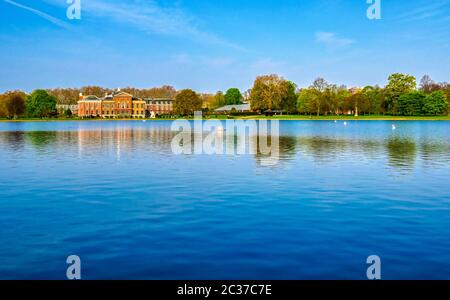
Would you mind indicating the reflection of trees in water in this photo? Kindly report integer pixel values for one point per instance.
(372, 149)
(41, 139)
(323, 149)
(402, 152)
(287, 150)
(15, 140)
(434, 152)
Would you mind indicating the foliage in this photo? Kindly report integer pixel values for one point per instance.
(233, 96)
(411, 104)
(269, 93)
(12, 104)
(398, 84)
(272, 92)
(187, 102)
(435, 103)
(40, 104)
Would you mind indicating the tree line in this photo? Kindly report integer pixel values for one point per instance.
(270, 93)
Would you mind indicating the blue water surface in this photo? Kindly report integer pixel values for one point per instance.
(114, 194)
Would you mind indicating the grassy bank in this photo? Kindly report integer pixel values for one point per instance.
(353, 118)
(281, 118)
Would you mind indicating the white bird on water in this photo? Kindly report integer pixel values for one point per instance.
(394, 127)
(345, 123)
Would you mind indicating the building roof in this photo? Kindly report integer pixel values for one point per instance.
(91, 98)
(239, 107)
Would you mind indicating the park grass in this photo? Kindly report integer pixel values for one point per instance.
(350, 118)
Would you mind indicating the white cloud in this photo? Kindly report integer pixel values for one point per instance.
(435, 11)
(332, 40)
(42, 14)
(150, 17)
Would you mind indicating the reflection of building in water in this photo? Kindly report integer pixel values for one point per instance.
(122, 139)
(396, 152)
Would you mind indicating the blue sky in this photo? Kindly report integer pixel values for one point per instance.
(216, 44)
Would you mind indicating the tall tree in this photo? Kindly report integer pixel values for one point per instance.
(272, 92)
(307, 101)
(187, 102)
(233, 96)
(40, 104)
(289, 96)
(376, 98)
(398, 84)
(320, 87)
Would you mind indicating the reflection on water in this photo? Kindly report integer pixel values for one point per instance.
(401, 152)
(116, 195)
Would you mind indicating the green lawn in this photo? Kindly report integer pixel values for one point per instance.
(362, 118)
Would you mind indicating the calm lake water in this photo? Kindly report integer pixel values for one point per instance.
(114, 194)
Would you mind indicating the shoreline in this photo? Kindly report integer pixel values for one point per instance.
(279, 118)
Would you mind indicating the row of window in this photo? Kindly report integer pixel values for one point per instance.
(107, 113)
(124, 105)
(159, 102)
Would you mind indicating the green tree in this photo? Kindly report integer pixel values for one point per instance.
(435, 103)
(376, 98)
(289, 96)
(446, 89)
(320, 86)
(398, 84)
(341, 100)
(411, 104)
(187, 102)
(40, 104)
(306, 101)
(272, 92)
(233, 96)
